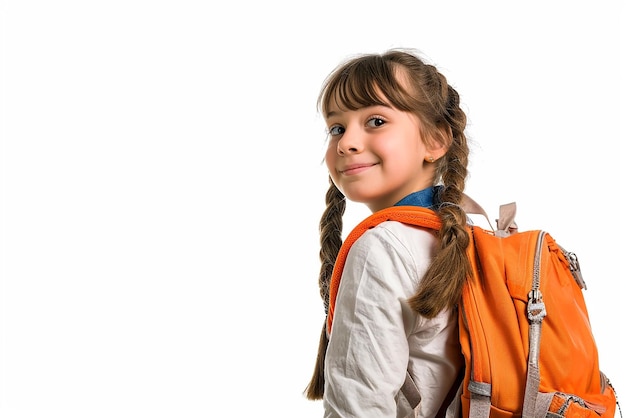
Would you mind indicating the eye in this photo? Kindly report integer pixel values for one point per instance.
(336, 130)
(375, 122)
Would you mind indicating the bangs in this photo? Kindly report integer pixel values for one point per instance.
(369, 81)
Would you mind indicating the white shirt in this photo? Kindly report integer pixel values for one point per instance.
(376, 336)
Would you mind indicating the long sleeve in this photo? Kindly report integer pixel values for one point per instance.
(376, 337)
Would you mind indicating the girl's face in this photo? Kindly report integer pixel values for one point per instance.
(376, 155)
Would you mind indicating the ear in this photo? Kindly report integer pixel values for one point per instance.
(437, 145)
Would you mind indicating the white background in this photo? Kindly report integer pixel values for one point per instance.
(162, 183)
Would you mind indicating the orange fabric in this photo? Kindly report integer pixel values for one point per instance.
(495, 332)
(493, 323)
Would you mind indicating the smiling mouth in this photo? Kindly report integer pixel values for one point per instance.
(356, 169)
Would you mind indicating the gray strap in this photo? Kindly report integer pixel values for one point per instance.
(451, 403)
(532, 376)
(409, 389)
(470, 206)
(505, 224)
(479, 406)
(530, 394)
(543, 404)
(480, 399)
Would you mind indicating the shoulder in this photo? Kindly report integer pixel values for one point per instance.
(396, 242)
(397, 235)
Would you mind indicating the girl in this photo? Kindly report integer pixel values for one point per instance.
(396, 137)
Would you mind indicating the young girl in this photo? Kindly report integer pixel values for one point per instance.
(396, 137)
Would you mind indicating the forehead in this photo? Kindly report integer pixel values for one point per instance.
(362, 87)
(336, 106)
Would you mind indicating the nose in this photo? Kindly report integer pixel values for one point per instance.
(349, 143)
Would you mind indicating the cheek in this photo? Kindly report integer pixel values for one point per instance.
(331, 160)
(395, 149)
(330, 157)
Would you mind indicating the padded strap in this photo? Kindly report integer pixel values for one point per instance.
(409, 389)
(414, 216)
(480, 402)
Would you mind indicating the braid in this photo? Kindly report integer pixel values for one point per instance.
(331, 226)
(443, 282)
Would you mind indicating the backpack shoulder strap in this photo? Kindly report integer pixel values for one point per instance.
(412, 215)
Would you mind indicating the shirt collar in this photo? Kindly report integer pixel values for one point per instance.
(425, 198)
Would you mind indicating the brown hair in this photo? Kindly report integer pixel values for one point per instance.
(402, 79)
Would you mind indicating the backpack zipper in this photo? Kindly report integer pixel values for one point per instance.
(536, 309)
(535, 293)
(568, 400)
(574, 267)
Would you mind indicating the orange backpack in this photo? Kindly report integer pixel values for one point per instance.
(523, 323)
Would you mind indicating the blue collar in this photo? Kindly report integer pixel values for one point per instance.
(425, 198)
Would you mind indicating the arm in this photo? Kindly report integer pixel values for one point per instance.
(368, 353)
